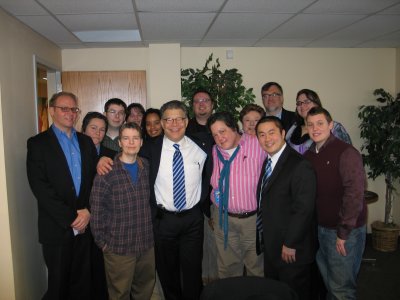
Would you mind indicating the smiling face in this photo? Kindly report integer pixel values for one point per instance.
(135, 116)
(174, 122)
(115, 115)
(270, 137)
(319, 129)
(225, 137)
(250, 121)
(272, 100)
(130, 142)
(202, 105)
(303, 105)
(96, 129)
(153, 125)
(64, 121)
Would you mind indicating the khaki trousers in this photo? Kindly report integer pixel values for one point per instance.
(241, 248)
(130, 276)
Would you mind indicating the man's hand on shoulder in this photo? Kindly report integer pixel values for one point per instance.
(104, 165)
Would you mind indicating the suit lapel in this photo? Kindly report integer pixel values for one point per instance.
(277, 169)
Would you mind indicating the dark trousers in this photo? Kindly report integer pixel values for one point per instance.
(68, 268)
(99, 282)
(179, 253)
(297, 276)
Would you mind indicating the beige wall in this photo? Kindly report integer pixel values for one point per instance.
(25, 276)
(344, 78)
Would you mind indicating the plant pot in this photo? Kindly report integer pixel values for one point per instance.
(384, 237)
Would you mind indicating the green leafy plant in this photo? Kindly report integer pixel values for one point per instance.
(380, 129)
(226, 87)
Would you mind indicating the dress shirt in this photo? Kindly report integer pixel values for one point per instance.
(275, 157)
(193, 160)
(72, 152)
(244, 175)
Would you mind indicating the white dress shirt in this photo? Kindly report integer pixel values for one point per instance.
(193, 160)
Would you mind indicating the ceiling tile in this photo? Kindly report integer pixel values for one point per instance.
(369, 28)
(308, 26)
(228, 43)
(87, 6)
(262, 6)
(179, 5)
(23, 7)
(244, 25)
(349, 7)
(395, 9)
(98, 22)
(170, 26)
(49, 28)
(332, 43)
(282, 43)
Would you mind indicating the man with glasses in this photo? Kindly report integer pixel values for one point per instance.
(272, 97)
(60, 167)
(203, 105)
(115, 111)
(179, 179)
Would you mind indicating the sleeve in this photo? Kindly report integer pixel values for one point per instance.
(303, 190)
(49, 200)
(353, 180)
(99, 201)
(340, 132)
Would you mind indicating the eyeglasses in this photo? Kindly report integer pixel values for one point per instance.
(114, 112)
(301, 103)
(178, 120)
(66, 109)
(203, 100)
(266, 96)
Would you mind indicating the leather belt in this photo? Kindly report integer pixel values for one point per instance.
(242, 215)
(162, 210)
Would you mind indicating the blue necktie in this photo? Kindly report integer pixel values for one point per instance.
(178, 174)
(259, 240)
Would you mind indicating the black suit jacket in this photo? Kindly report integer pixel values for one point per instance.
(288, 208)
(287, 118)
(51, 183)
(152, 151)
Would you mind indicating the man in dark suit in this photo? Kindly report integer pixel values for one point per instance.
(287, 191)
(272, 97)
(178, 231)
(60, 167)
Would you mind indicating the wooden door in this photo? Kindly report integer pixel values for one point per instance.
(94, 88)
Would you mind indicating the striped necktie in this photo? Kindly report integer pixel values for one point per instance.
(259, 240)
(178, 174)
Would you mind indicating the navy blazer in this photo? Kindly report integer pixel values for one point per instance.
(288, 118)
(51, 183)
(152, 151)
(288, 208)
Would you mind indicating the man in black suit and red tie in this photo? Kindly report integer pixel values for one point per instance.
(285, 221)
(61, 164)
(272, 97)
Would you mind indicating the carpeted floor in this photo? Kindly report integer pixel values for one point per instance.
(379, 281)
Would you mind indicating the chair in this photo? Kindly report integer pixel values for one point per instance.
(248, 288)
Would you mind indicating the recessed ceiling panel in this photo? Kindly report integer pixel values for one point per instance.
(22, 7)
(87, 6)
(244, 25)
(179, 5)
(49, 28)
(98, 22)
(349, 6)
(170, 26)
(270, 6)
(310, 26)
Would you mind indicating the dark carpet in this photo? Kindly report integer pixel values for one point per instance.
(379, 280)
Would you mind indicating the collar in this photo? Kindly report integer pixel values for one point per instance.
(275, 157)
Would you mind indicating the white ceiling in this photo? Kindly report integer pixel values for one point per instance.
(226, 23)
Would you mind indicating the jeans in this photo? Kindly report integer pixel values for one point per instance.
(340, 272)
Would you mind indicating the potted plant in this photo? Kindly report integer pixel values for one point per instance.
(380, 129)
(226, 87)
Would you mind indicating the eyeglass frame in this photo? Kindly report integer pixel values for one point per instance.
(114, 112)
(65, 109)
(305, 102)
(178, 120)
(266, 96)
(202, 100)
